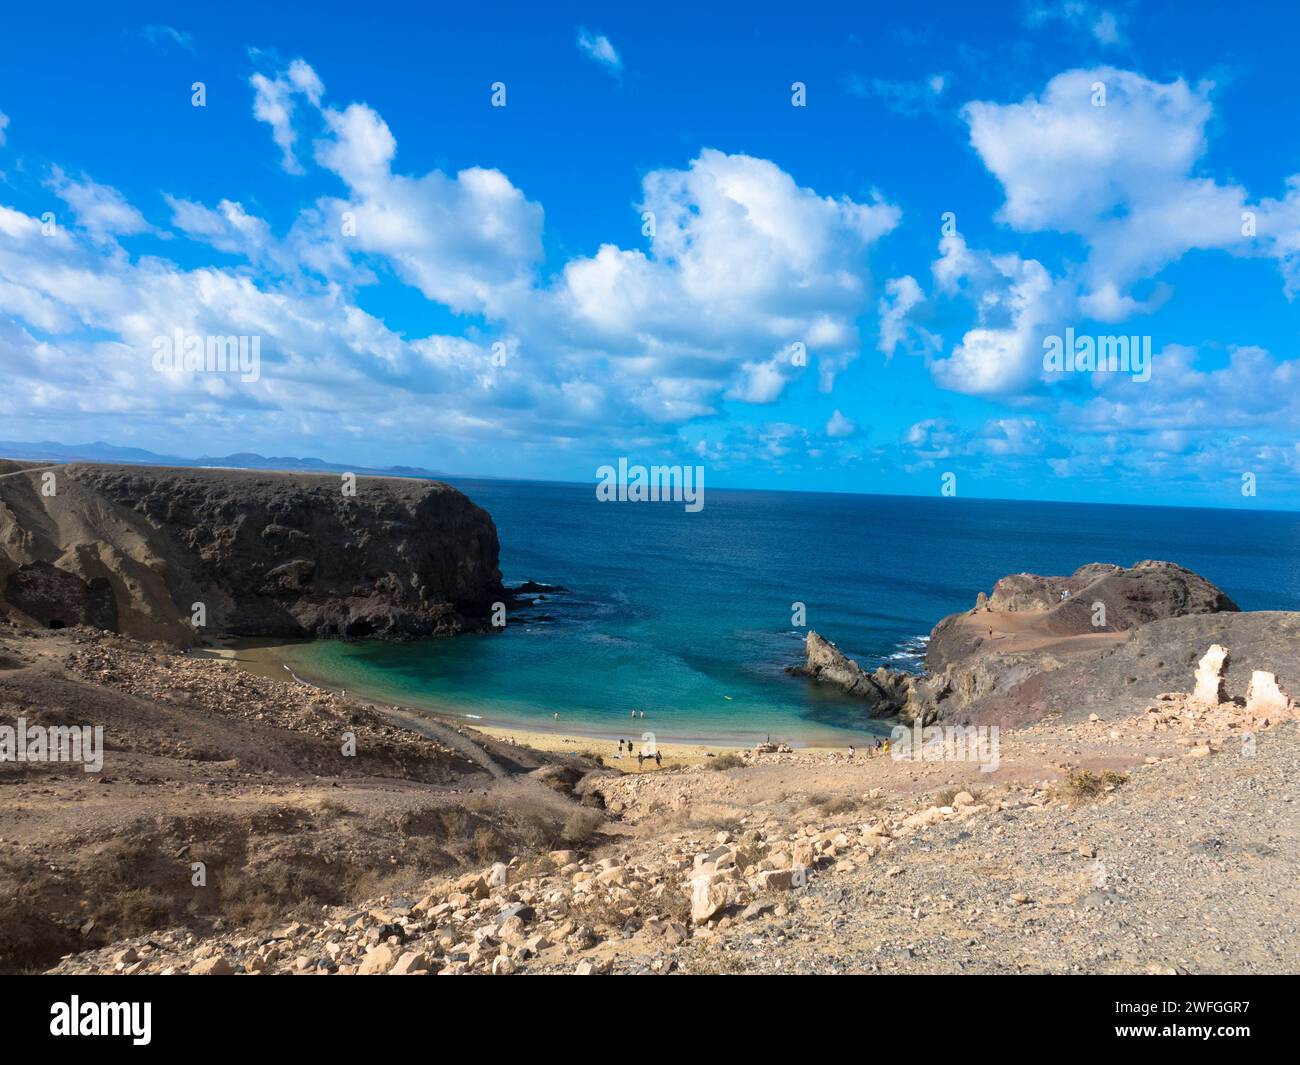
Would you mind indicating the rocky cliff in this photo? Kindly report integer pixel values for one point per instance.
(1096, 598)
(180, 554)
(988, 663)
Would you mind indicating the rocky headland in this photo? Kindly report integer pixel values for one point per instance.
(185, 555)
(1105, 639)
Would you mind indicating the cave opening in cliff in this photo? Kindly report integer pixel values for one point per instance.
(55, 623)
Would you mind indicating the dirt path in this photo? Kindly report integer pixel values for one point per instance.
(1010, 630)
(433, 729)
(423, 724)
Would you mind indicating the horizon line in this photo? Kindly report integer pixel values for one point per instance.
(449, 476)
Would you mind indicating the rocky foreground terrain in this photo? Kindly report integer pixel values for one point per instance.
(185, 555)
(284, 797)
(1158, 841)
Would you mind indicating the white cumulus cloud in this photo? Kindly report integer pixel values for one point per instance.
(599, 48)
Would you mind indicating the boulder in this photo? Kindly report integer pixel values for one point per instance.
(884, 691)
(1210, 686)
(1266, 699)
(708, 898)
(410, 963)
(378, 960)
(519, 910)
(777, 879)
(217, 966)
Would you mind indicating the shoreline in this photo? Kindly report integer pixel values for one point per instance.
(267, 659)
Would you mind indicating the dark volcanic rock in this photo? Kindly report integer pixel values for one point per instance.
(885, 691)
(1025, 645)
(57, 598)
(266, 554)
(1159, 657)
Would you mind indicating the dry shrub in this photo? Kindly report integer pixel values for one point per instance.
(581, 826)
(30, 937)
(641, 904)
(1084, 784)
(838, 804)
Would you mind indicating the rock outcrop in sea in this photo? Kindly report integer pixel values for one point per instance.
(885, 691)
(180, 554)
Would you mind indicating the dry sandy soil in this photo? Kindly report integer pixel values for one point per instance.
(206, 763)
(1009, 631)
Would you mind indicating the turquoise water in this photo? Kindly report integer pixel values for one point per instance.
(688, 616)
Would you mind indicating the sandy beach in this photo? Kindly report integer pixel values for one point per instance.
(269, 660)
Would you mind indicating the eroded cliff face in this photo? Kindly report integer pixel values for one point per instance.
(265, 554)
(989, 663)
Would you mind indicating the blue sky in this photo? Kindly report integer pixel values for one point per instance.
(438, 281)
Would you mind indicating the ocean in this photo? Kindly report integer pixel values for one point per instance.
(690, 616)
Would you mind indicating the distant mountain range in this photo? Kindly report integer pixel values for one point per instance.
(48, 451)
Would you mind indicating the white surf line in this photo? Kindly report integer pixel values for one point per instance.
(301, 681)
(341, 692)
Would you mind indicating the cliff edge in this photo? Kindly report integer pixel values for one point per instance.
(178, 555)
